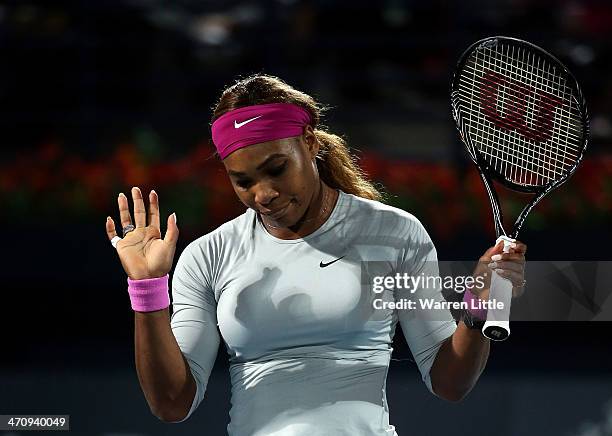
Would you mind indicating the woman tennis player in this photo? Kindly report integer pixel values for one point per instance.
(283, 284)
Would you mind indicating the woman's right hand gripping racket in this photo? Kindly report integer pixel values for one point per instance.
(523, 119)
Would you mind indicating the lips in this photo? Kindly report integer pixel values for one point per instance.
(275, 214)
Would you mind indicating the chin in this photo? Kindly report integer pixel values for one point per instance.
(286, 220)
(289, 219)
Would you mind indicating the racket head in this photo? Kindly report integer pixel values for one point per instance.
(520, 112)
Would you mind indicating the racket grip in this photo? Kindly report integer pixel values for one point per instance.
(497, 326)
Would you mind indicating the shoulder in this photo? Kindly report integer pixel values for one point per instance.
(229, 234)
(202, 259)
(377, 216)
(385, 232)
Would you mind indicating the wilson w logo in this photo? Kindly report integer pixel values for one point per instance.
(508, 103)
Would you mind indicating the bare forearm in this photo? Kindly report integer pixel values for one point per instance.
(163, 372)
(459, 363)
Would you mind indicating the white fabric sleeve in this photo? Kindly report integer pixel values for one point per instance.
(424, 329)
(194, 321)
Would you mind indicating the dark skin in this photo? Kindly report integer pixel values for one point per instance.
(462, 357)
(282, 176)
(273, 176)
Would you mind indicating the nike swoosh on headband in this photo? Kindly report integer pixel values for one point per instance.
(238, 125)
(323, 265)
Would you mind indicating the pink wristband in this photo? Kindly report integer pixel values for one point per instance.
(473, 301)
(149, 295)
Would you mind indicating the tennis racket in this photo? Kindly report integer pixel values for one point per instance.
(523, 119)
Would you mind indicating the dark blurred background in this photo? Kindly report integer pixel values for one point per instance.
(100, 96)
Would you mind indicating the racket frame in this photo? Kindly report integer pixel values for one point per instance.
(488, 174)
(497, 325)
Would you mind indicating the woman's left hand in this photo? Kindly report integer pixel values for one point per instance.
(509, 265)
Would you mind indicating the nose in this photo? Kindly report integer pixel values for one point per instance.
(264, 194)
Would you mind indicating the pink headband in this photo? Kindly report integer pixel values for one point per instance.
(259, 123)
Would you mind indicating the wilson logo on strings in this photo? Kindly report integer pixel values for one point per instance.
(518, 103)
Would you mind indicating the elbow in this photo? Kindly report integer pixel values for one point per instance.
(168, 415)
(451, 394)
(170, 410)
(174, 409)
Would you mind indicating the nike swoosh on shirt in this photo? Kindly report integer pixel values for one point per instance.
(323, 265)
(238, 125)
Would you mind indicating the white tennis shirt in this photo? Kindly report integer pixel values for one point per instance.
(308, 352)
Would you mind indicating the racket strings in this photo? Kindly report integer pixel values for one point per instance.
(504, 158)
(538, 161)
(506, 102)
(505, 99)
(549, 166)
(520, 114)
(537, 151)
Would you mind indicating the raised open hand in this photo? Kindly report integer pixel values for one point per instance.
(143, 254)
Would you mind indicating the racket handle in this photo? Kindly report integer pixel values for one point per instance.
(497, 326)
